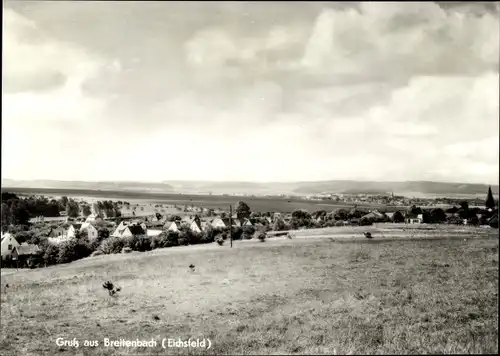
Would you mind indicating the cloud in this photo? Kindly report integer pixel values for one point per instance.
(296, 92)
(45, 113)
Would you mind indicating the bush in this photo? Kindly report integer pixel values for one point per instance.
(237, 233)
(50, 253)
(183, 241)
(250, 230)
(365, 222)
(126, 250)
(112, 245)
(72, 250)
(140, 243)
(219, 240)
(261, 236)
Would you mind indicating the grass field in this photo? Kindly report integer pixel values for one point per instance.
(282, 296)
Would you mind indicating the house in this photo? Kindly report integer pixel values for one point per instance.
(195, 225)
(152, 233)
(130, 230)
(8, 244)
(414, 219)
(57, 232)
(220, 222)
(72, 229)
(92, 218)
(91, 231)
(172, 226)
(246, 222)
(23, 252)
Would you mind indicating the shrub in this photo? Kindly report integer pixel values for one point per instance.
(365, 222)
(112, 245)
(247, 236)
(279, 225)
(138, 243)
(237, 233)
(261, 236)
(250, 230)
(126, 250)
(50, 253)
(219, 240)
(72, 250)
(183, 241)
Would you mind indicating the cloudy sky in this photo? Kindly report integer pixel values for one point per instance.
(282, 91)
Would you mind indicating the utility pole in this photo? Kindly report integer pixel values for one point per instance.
(231, 224)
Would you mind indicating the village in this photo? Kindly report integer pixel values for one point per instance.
(119, 221)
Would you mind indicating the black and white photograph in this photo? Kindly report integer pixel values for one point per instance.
(249, 178)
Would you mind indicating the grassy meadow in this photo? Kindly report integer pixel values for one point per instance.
(293, 296)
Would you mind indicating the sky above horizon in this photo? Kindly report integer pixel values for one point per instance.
(263, 91)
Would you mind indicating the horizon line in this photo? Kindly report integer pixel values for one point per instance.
(252, 182)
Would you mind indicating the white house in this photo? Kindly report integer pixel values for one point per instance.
(172, 226)
(8, 244)
(418, 220)
(92, 232)
(247, 222)
(220, 223)
(195, 225)
(130, 230)
(152, 233)
(92, 218)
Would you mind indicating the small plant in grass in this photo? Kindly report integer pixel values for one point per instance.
(219, 240)
(112, 289)
(261, 236)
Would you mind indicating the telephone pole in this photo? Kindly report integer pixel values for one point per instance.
(231, 224)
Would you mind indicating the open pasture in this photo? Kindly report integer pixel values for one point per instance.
(390, 231)
(282, 296)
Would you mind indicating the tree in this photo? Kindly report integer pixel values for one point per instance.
(300, 214)
(398, 217)
(243, 210)
(490, 202)
(72, 208)
(279, 225)
(319, 213)
(341, 214)
(20, 213)
(415, 210)
(438, 215)
(86, 211)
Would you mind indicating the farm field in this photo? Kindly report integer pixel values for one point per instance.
(391, 231)
(259, 204)
(295, 296)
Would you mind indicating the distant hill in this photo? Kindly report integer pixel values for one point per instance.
(402, 188)
(412, 188)
(56, 184)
